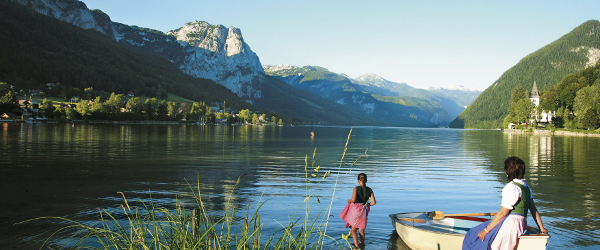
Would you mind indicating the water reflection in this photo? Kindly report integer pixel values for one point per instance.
(65, 170)
(563, 172)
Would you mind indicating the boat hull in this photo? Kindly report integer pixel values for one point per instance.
(449, 233)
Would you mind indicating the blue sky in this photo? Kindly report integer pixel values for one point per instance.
(421, 43)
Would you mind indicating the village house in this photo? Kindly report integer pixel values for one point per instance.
(33, 104)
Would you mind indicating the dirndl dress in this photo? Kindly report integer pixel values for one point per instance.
(356, 215)
(472, 240)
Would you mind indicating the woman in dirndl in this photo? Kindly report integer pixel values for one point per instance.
(503, 231)
(356, 213)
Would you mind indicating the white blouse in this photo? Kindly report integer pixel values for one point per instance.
(512, 192)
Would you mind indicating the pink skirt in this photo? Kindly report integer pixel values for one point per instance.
(508, 235)
(356, 215)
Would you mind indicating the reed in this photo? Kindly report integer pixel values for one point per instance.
(146, 226)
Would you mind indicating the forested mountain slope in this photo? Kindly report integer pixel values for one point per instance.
(572, 52)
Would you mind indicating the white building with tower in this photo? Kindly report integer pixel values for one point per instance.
(545, 116)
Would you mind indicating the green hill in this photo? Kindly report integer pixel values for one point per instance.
(547, 67)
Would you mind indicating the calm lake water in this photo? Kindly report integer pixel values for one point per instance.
(72, 170)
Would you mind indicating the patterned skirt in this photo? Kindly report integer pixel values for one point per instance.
(356, 215)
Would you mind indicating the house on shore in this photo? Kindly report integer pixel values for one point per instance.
(545, 116)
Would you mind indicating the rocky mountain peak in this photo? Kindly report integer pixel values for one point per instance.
(215, 38)
(371, 78)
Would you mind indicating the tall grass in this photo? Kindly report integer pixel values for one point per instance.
(146, 226)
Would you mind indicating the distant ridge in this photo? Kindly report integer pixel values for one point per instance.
(574, 51)
(396, 103)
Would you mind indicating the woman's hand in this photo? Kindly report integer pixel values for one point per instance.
(482, 234)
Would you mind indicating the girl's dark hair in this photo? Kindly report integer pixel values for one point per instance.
(514, 168)
(362, 177)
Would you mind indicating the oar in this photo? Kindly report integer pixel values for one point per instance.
(412, 220)
(438, 215)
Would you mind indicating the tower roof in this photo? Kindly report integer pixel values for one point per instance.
(534, 92)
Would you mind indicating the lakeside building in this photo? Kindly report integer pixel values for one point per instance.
(545, 116)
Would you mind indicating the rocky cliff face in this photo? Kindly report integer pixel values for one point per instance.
(220, 54)
(198, 48)
(72, 11)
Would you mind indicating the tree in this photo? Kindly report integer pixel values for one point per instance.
(83, 109)
(4, 88)
(587, 97)
(171, 109)
(273, 119)
(196, 112)
(115, 103)
(254, 118)
(280, 122)
(88, 93)
(245, 115)
(135, 105)
(518, 94)
(47, 108)
(523, 109)
(221, 116)
(70, 113)
(150, 107)
(98, 107)
(520, 107)
(59, 112)
(162, 110)
(209, 116)
(549, 100)
(589, 119)
(8, 102)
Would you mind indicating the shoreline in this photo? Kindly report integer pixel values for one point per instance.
(549, 132)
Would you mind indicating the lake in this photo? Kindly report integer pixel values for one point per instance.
(71, 170)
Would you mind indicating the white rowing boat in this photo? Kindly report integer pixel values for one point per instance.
(420, 232)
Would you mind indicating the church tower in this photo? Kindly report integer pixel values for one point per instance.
(535, 95)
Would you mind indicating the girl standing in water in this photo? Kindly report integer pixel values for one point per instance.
(356, 213)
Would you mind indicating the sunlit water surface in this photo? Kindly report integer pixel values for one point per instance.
(72, 170)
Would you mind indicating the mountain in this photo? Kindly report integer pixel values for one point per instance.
(210, 52)
(574, 51)
(397, 103)
(447, 97)
(36, 49)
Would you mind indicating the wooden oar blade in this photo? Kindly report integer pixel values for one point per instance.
(439, 215)
(412, 220)
(436, 215)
